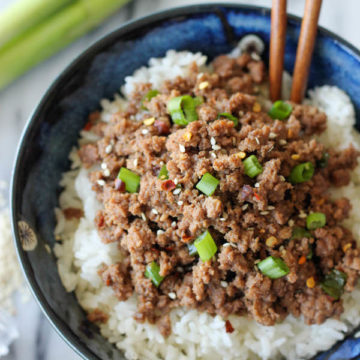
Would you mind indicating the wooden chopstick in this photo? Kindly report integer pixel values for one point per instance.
(277, 47)
(305, 49)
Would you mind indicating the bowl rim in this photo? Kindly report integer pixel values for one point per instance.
(60, 327)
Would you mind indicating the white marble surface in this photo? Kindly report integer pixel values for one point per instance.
(37, 339)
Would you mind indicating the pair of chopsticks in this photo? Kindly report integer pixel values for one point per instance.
(304, 50)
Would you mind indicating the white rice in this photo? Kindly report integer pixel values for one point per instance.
(194, 335)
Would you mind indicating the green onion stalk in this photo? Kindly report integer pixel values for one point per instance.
(51, 35)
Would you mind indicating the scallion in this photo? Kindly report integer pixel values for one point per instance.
(208, 184)
(323, 162)
(152, 272)
(182, 110)
(229, 116)
(300, 233)
(148, 96)
(280, 110)
(315, 220)
(192, 249)
(198, 100)
(334, 283)
(163, 174)
(205, 246)
(301, 173)
(273, 268)
(131, 180)
(252, 167)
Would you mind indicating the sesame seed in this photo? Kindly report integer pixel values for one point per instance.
(257, 261)
(257, 141)
(224, 284)
(216, 147)
(213, 155)
(282, 178)
(241, 113)
(264, 212)
(108, 149)
(302, 215)
(281, 248)
(101, 182)
(212, 141)
(143, 216)
(271, 149)
(106, 172)
(177, 191)
(154, 211)
(272, 135)
(172, 295)
(173, 224)
(160, 232)
(203, 85)
(255, 56)
(282, 142)
(103, 166)
(135, 162)
(182, 148)
(144, 131)
(244, 207)
(271, 207)
(149, 121)
(291, 222)
(179, 269)
(180, 203)
(257, 185)
(229, 244)
(176, 181)
(222, 219)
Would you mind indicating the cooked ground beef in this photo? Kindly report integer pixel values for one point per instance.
(249, 219)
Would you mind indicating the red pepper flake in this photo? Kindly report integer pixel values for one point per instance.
(168, 185)
(169, 248)
(100, 220)
(162, 127)
(257, 196)
(154, 249)
(186, 239)
(73, 213)
(94, 116)
(119, 185)
(228, 327)
(88, 126)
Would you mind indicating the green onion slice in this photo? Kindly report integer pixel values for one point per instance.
(273, 267)
(152, 273)
(163, 174)
(323, 162)
(301, 173)
(192, 249)
(131, 180)
(252, 167)
(315, 220)
(205, 246)
(182, 110)
(280, 110)
(208, 184)
(148, 96)
(310, 255)
(229, 116)
(198, 100)
(299, 233)
(334, 283)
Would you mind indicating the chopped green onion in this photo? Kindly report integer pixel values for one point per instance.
(334, 283)
(273, 267)
(163, 174)
(323, 162)
(280, 110)
(152, 273)
(149, 95)
(301, 173)
(182, 110)
(229, 116)
(131, 180)
(205, 246)
(252, 167)
(192, 249)
(207, 184)
(299, 233)
(315, 220)
(198, 100)
(310, 255)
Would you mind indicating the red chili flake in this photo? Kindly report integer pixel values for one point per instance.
(186, 239)
(169, 248)
(88, 126)
(257, 196)
(168, 185)
(73, 213)
(100, 220)
(119, 185)
(94, 116)
(155, 249)
(162, 127)
(228, 327)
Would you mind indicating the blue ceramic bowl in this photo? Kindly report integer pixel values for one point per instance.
(98, 73)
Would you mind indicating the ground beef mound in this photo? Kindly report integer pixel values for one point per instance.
(249, 219)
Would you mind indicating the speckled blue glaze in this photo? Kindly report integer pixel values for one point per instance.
(98, 73)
